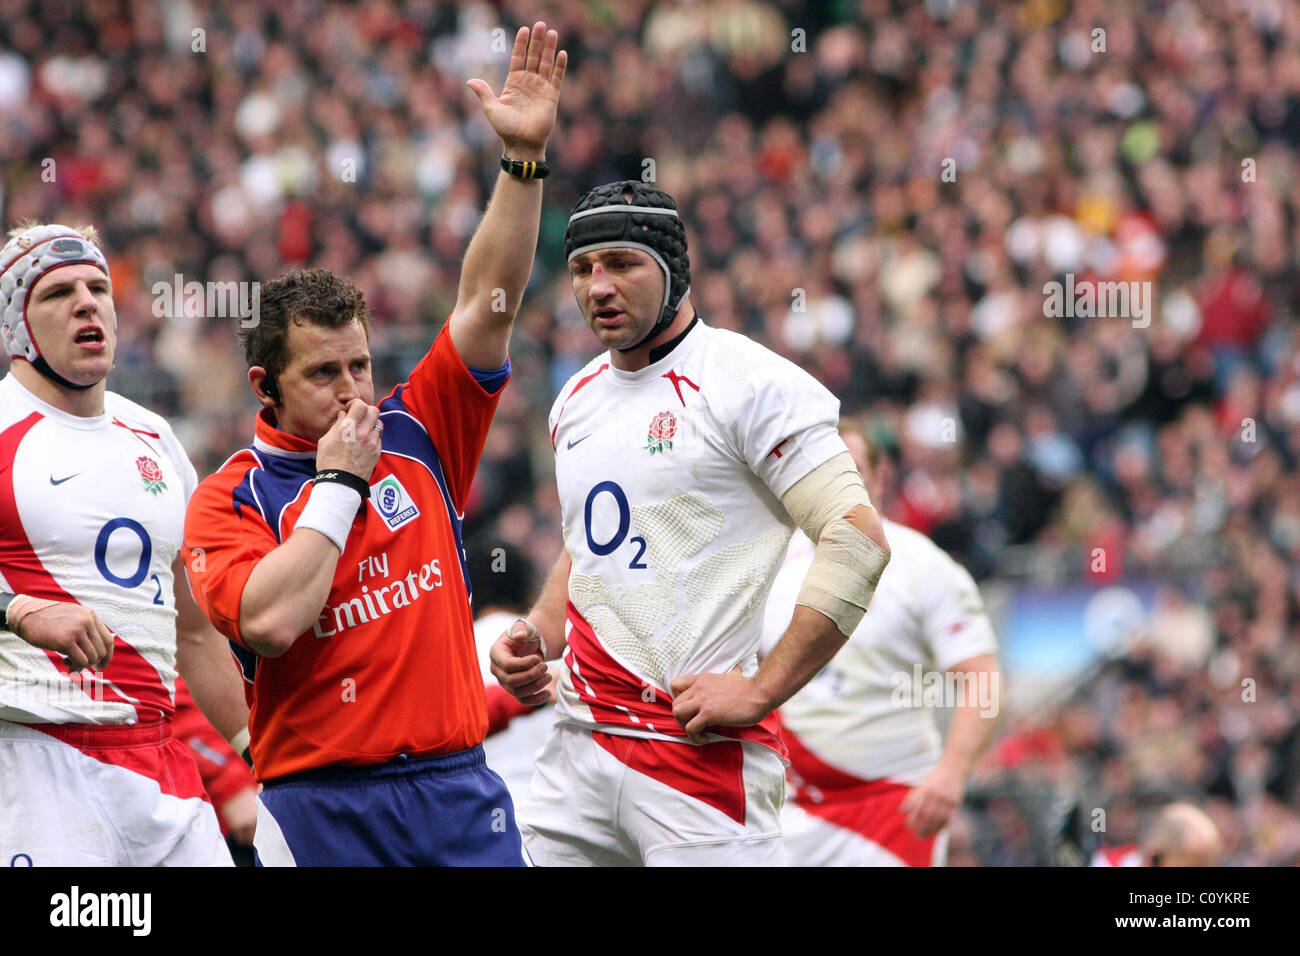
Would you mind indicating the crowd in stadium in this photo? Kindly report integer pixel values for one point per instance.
(878, 190)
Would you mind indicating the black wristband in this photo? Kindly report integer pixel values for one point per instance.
(355, 482)
(5, 598)
(525, 168)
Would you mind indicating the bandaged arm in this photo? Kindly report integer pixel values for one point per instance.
(831, 506)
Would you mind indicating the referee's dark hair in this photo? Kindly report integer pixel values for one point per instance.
(303, 296)
(501, 575)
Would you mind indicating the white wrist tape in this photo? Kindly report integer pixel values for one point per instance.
(330, 510)
(239, 742)
(14, 611)
(16, 603)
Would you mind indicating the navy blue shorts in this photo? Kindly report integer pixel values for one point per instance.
(447, 810)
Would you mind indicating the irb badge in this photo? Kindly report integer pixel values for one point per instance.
(393, 503)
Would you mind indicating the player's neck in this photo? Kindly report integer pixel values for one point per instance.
(84, 403)
(639, 357)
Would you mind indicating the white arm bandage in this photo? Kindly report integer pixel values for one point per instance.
(847, 564)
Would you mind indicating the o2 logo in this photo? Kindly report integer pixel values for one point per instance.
(602, 548)
(136, 578)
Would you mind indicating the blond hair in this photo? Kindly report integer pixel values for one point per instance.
(89, 233)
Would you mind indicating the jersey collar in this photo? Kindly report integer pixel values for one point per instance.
(659, 351)
(24, 394)
(269, 439)
(665, 356)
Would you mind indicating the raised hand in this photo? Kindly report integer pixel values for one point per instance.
(524, 114)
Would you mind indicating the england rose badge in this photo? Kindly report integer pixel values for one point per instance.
(662, 430)
(152, 475)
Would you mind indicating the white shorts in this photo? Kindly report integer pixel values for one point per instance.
(812, 841)
(602, 800)
(103, 796)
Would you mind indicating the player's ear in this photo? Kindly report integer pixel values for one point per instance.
(263, 386)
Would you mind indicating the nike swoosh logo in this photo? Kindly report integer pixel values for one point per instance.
(575, 441)
(60, 481)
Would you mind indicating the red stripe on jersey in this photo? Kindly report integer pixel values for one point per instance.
(618, 697)
(571, 394)
(148, 749)
(868, 807)
(138, 433)
(128, 675)
(677, 380)
(712, 773)
(815, 781)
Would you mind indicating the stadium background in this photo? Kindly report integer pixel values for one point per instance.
(1127, 497)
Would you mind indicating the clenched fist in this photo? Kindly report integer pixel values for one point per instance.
(518, 663)
(354, 441)
(73, 630)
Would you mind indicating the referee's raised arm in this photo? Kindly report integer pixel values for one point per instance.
(500, 255)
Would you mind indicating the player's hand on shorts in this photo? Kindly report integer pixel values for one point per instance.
(73, 630)
(701, 701)
(239, 814)
(518, 664)
(524, 114)
(353, 442)
(932, 802)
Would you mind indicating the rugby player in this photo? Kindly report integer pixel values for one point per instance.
(93, 490)
(1180, 834)
(871, 784)
(685, 455)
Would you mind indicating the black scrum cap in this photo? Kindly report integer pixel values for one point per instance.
(632, 214)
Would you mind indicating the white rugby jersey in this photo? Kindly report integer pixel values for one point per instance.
(670, 480)
(91, 510)
(865, 712)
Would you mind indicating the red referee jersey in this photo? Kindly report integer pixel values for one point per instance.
(390, 665)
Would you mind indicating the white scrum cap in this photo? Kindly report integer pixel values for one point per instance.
(23, 260)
